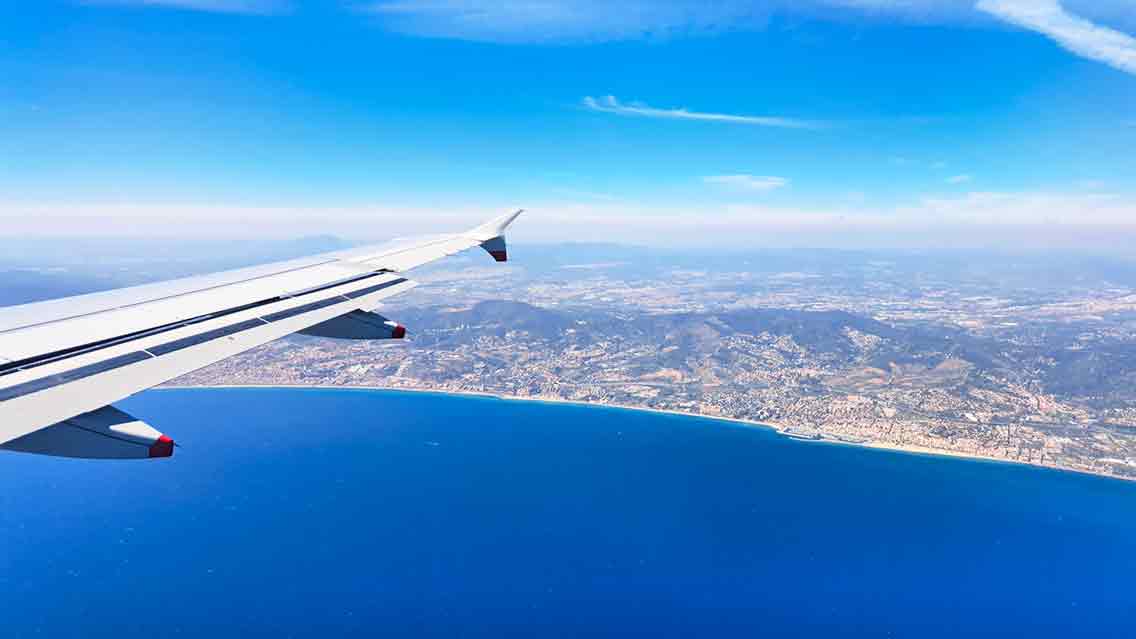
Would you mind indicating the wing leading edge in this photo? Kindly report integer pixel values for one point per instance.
(62, 362)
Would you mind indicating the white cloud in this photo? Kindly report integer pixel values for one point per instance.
(220, 220)
(550, 21)
(609, 104)
(564, 20)
(1016, 220)
(748, 182)
(1054, 211)
(1076, 34)
(547, 21)
(958, 179)
(1079, 219)
(611, 20)
(214, 6)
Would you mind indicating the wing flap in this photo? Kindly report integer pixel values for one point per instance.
(57, 325)
(62, 334)
(357, 325)
(51, 393)
(104, 433)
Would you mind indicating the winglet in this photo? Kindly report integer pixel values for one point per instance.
(495, 227)
(492, 235)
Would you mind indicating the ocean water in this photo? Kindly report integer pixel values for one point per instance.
(327, 513)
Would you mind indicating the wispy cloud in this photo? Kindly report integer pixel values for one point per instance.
(255, 7)
(541, 21)
(609, 104)
(958, 179)
(748, 182)
(565, 20)
(1075, 33)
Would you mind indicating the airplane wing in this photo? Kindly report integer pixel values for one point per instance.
(63, 362)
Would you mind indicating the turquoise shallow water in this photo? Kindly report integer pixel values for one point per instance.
(315, 513)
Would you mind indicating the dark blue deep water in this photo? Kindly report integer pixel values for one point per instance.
(316, 513)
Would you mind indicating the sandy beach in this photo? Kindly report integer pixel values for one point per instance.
(780, 429)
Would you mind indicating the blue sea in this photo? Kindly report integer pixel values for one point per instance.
(351, 513)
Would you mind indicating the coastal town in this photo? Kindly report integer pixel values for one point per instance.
(1041, 381)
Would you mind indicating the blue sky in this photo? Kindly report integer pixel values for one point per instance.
(816, 123)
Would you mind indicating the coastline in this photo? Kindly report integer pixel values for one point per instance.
(779, 429)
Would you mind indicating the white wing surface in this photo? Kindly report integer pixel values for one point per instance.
(63, 362)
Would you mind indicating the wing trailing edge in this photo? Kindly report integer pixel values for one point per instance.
(64, 362)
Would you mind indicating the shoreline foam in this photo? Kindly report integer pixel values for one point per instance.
(779, 429)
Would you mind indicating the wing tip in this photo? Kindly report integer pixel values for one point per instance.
(496, 226)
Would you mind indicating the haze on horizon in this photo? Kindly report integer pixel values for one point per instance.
(826, 123)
